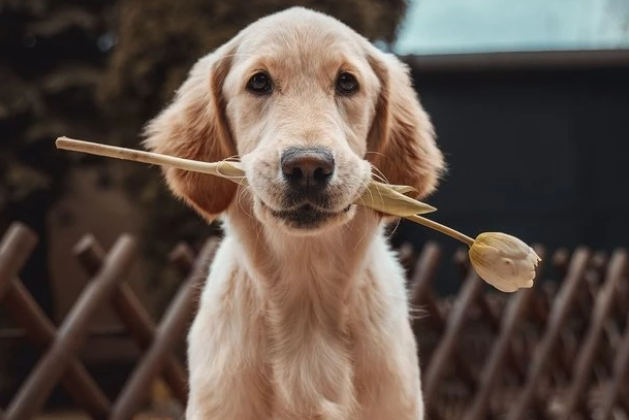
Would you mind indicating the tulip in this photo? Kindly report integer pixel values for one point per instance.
(504, 261)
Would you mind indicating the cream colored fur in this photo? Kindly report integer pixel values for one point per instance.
(294, 324)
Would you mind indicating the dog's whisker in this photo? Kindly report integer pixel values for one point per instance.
(366, 187)
(395, 228)
(241, 197)
(378, 173)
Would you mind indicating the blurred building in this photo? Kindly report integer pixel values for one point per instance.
(531, 107)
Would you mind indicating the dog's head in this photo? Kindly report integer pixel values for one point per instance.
(312, 108)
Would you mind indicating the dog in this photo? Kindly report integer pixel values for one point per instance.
(305, 313)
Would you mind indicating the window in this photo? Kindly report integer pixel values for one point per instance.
(474, 26)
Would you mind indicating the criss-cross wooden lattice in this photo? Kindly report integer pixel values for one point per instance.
(557, 351)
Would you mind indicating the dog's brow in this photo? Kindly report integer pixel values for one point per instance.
(233, 55)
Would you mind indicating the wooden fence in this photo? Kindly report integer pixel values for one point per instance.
(557, 351)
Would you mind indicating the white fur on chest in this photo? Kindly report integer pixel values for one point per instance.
(308, 329)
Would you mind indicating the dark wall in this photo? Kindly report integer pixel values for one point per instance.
(541, 154)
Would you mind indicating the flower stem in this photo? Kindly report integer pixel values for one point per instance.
(441, 228)
(222, 169)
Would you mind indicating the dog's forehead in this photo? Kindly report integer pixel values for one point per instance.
(300, 48)
(296, 34)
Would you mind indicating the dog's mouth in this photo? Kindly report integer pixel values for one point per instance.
(307, 216)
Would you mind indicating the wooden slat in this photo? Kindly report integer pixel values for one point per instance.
(16, 246)
(47, 373)
(41, 331)
(133, 314)
(422, 296)
(406, 256)
(423, 276)
(544, 350)
(620, 378)
(500, 351)
(169, 332)
(449, 341)
(583, 366)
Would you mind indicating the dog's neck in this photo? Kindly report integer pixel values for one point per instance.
(312, 274)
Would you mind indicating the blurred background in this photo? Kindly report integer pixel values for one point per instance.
(530, 101)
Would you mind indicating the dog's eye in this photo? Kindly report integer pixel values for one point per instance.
(260, 84)
(346, 84)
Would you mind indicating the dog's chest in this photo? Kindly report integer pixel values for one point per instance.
(325, 355)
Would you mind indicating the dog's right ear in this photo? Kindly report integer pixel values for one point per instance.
(194, 126)
(402, 134)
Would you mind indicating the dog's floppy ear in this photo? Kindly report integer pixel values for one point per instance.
(402, 141)
(194, 126)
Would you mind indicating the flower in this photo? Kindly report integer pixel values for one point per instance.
(504, 261)
(501, 260)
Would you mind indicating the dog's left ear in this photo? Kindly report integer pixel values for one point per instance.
(402, 139)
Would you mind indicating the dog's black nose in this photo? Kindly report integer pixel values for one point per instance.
(307, 170)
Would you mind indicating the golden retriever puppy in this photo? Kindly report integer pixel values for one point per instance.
(304, 314)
